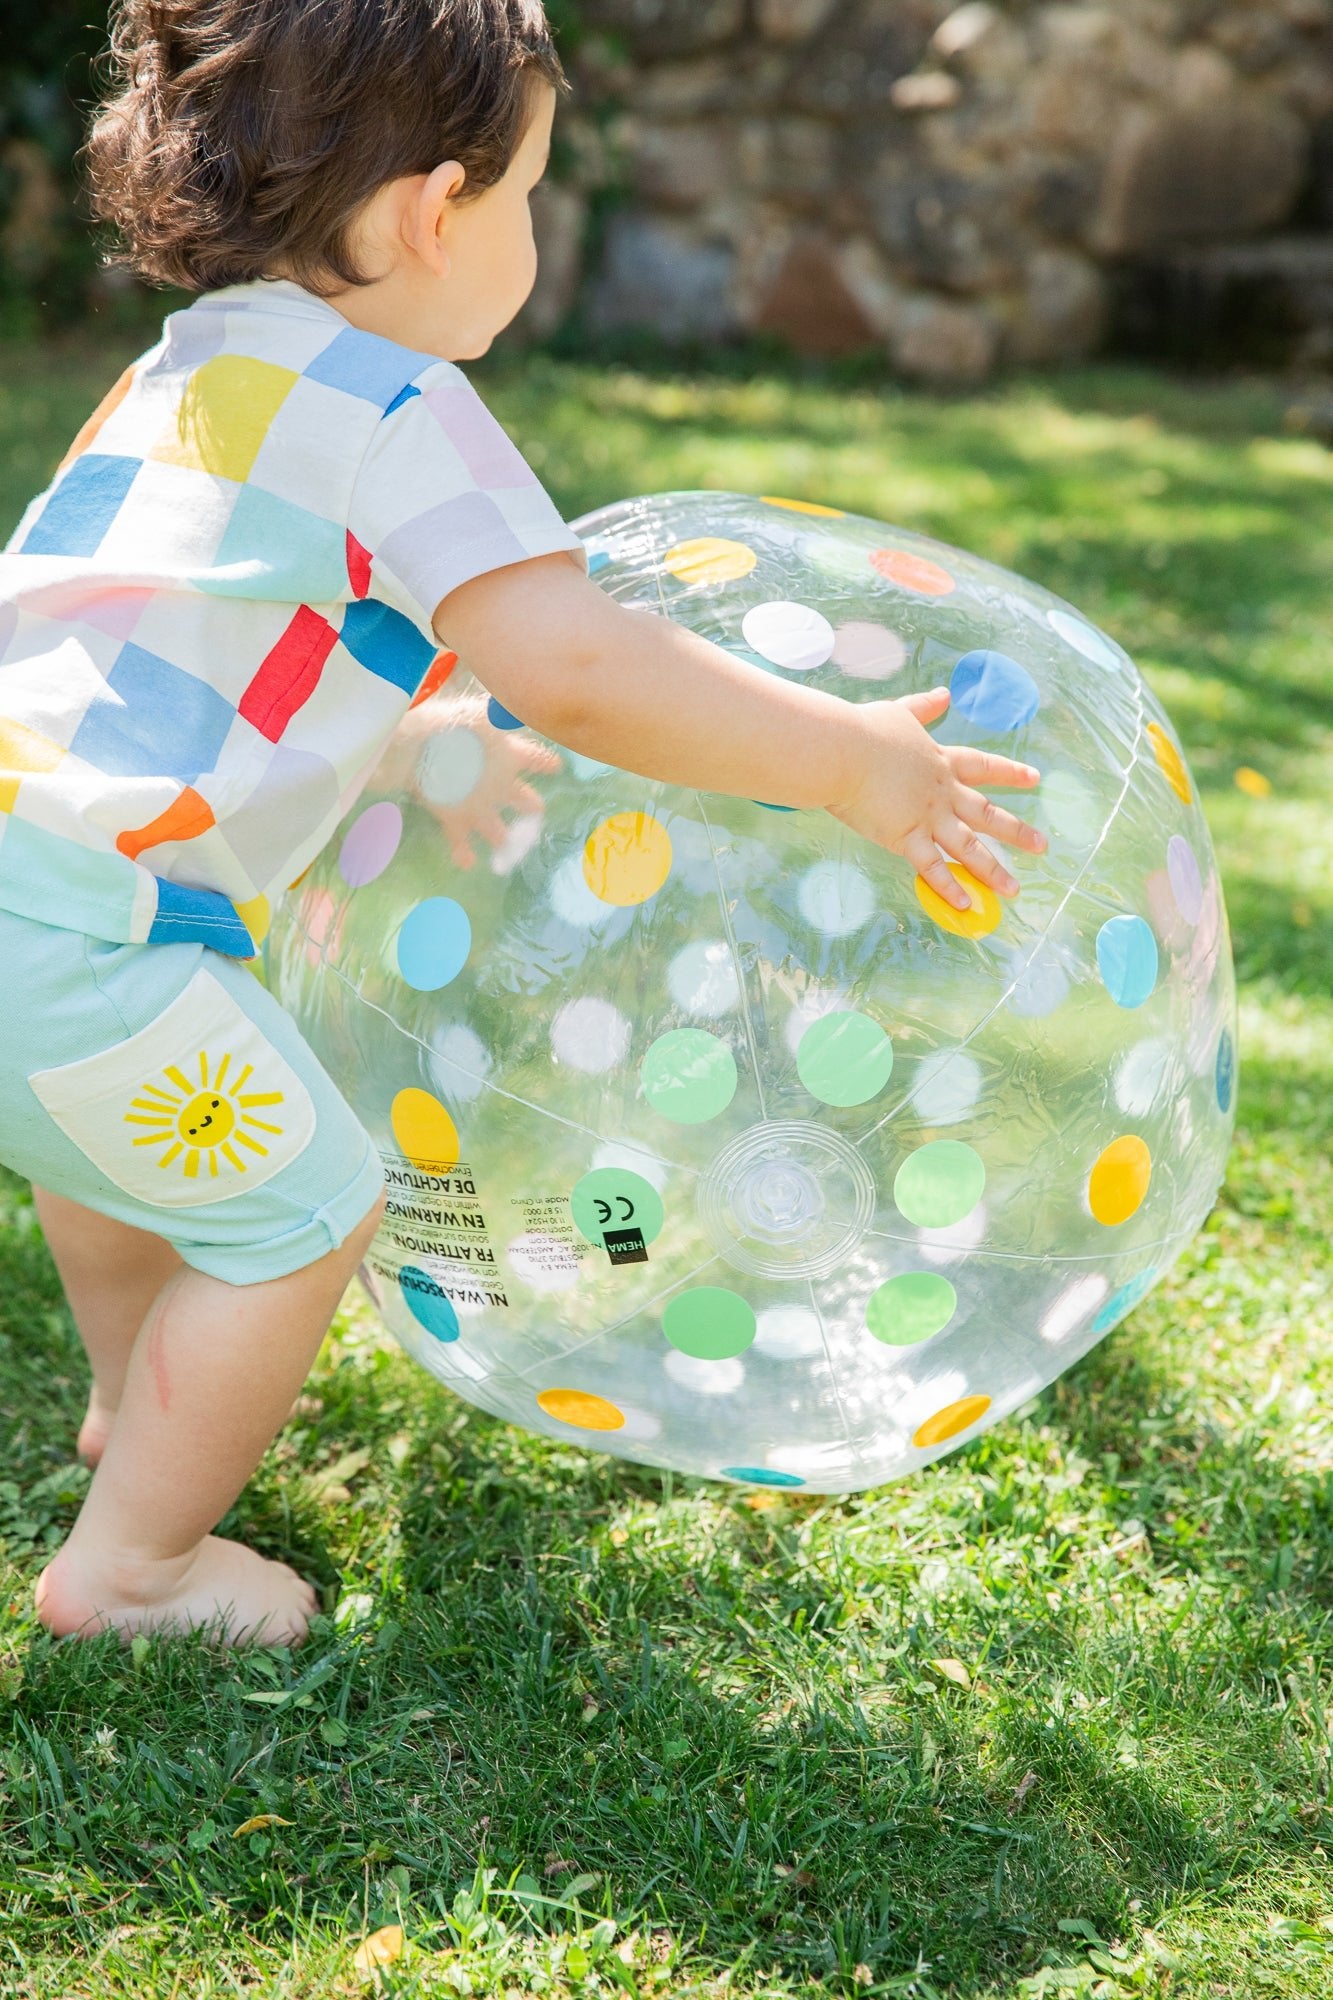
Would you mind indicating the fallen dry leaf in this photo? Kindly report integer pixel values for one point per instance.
(953, 1670)
(258, 1824)
(380, 1948)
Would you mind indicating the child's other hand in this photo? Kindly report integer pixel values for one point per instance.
(491, 771)
(917, 796)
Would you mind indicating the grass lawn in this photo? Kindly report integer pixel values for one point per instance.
(582, 1729)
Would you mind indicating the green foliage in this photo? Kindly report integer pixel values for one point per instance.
(1051, 1719)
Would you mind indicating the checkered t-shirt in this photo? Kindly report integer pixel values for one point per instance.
(214, 618)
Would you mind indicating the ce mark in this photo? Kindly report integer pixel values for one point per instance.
(605, 1211)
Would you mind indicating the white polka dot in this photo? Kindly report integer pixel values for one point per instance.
(1072, 1308)
(946, 1246)
(1140, 1075)
(572, 899)
(704, 1378)
(868, 652)
(590, 1035)
(461, 1062)
(449, 766)
(520, 839)
(788, 1333)
(1084, 638)
(632, 1159)
(639, 1427)
(947, 1085)
(806, 1012)
(835, 898)
(794, 636)
(1039, 983)
(702, 979)
(544, 1262)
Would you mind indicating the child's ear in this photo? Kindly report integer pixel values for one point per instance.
(426, 222)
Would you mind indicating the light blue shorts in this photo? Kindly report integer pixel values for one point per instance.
(161, 1085)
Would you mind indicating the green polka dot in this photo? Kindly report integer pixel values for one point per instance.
(845, 1058)
(939, 1184)
(841, 559)
(689, 1076)
(914, 1307)
(610, 1198)
(709, 1323)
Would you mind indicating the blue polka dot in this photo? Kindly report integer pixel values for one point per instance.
(1224, 1071)
(991, 691)
(428, 1303)
(499, 716)
(1127, 960)
(758, 1475)
(434, 943)
(1125, 1300)
(774, 809)
(598, 560)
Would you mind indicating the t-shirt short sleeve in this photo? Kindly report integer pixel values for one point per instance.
(443, 495)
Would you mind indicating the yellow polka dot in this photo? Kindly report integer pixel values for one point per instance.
(1253, 783)
(804, 507)
(1171, 761)
(257, 917)
(951, 1421)
(978, 922)
(710, 560)
(585, 1412)
(627, 858)
(425, 1132)
(1119, 1181)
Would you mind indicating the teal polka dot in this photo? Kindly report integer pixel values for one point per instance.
(709, 1323)
(1127, 960)
(689, 1076)
(1124, 1301)
(844, 1058)
(759, 1475)
(434, 943)
(428, 1303)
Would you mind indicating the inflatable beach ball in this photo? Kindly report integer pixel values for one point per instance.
(713, 1137)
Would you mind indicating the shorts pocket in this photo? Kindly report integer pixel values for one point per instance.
(197, 1107)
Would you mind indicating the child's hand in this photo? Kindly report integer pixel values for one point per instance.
(506, 759)
(916, 796)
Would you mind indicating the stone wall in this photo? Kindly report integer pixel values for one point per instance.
(956, 185)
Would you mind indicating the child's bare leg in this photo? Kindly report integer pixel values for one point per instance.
(111, 1274)
(213, 1374)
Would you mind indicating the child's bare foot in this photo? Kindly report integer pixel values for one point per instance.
(222, 1588)
(95, 1430)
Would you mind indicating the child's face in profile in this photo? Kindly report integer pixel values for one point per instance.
(492, 255)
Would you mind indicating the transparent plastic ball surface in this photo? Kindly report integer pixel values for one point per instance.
(713, 1138)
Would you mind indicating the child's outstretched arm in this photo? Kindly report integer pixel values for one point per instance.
(645, 694)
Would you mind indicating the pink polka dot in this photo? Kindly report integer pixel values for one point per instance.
(370, 844)
(1182, 867)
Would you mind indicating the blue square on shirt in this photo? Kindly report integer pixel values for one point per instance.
(361, 364)
(151, 720)
(82, 507)
(387, 644)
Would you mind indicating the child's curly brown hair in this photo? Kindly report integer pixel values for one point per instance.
(246, 134)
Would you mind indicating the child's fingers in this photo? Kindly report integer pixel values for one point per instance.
(524, 800)
(983, 767)
(984, 816)
(931, 866)
(926, 707)
(959, 841)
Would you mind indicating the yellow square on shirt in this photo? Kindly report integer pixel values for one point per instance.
(225, 414)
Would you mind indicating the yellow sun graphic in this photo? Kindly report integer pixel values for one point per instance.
(203, 1123)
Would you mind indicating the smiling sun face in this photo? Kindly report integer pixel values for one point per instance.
(205, 1124)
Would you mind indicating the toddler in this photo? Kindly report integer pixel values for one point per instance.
(211, 625)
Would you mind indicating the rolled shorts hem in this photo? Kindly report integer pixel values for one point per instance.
(297, 1249)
